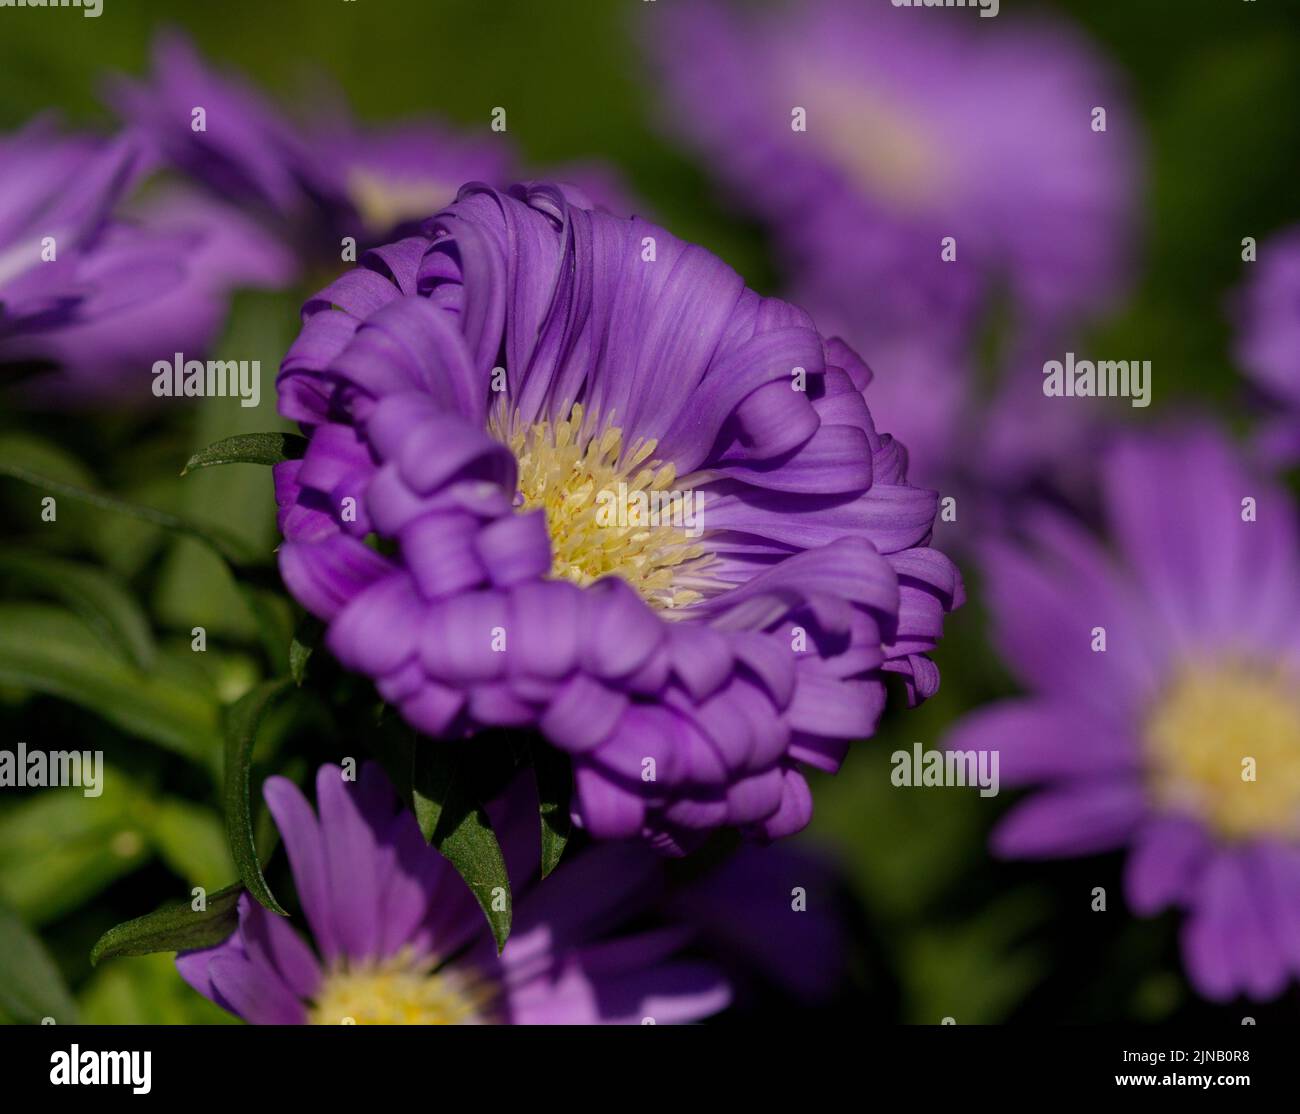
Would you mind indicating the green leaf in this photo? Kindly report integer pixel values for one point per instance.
(41, 455)
(191, 840)
(248, 448)
(306, 636)
(59, 848)
(173, 928)
(50, 650)
(145, 990)
(108, 608)
(233, 549)
(554, 774)
(242, 720)
(455, 822)
(31, 987)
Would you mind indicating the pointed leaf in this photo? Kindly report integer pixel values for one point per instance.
(175, 927)
(248, 448)
(554, 774)
(455, 822)
(242, 720)
(306, 636)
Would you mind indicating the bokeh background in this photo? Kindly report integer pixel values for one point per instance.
(940, 928)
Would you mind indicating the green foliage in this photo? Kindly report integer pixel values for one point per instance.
(176, 926)
(31, 987)
(452, 818)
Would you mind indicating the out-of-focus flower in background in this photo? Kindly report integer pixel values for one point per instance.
(313, 181)
(317, 179)
(1163, 712)
(98, 281)
(916, 173)
(689, 662)
(1268, 342)
(400, 939)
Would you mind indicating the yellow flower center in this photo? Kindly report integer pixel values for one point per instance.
(611, 510)
(1224, 745)
(384, 203)
(399, 991)
(880, 145)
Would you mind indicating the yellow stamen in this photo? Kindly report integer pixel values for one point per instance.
(384, 203)
(880, 145)
(399, 991)
(574, 474)
(1224, 745)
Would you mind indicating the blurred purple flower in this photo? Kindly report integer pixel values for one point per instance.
(1268, 341)
(919, 126)
(1164, 713)
(688, 663)
(55, 210)
(130, 281)
(771, 912)
(330, 176)
(400, 939)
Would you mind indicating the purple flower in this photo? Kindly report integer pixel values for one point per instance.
(312, 183)
(49, 235)
(1164, 705)
(400, 939)
(491, 408)
(866, 136)
(97, 285)
(917, 128)
(218, 131)
(1268, 341)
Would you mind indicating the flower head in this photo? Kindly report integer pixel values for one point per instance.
(96, 283)
(866, 134)
(399, 938)
(566, 472)
(1268, 341)
(1164, 705)
(313, 182)
(921, 172)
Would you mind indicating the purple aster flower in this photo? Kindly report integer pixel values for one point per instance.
(389, 179)
(48, 235)
(917, 128)
(1268, 341)
(1164, 705)
(400, 939)
(218, 131)
(96, 286)
(317, 181)
(492, 406)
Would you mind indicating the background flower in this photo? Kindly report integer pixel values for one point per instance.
(1164, 713)
(1268, 341)
(400, 939)
(95, 285)
(915, 130)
